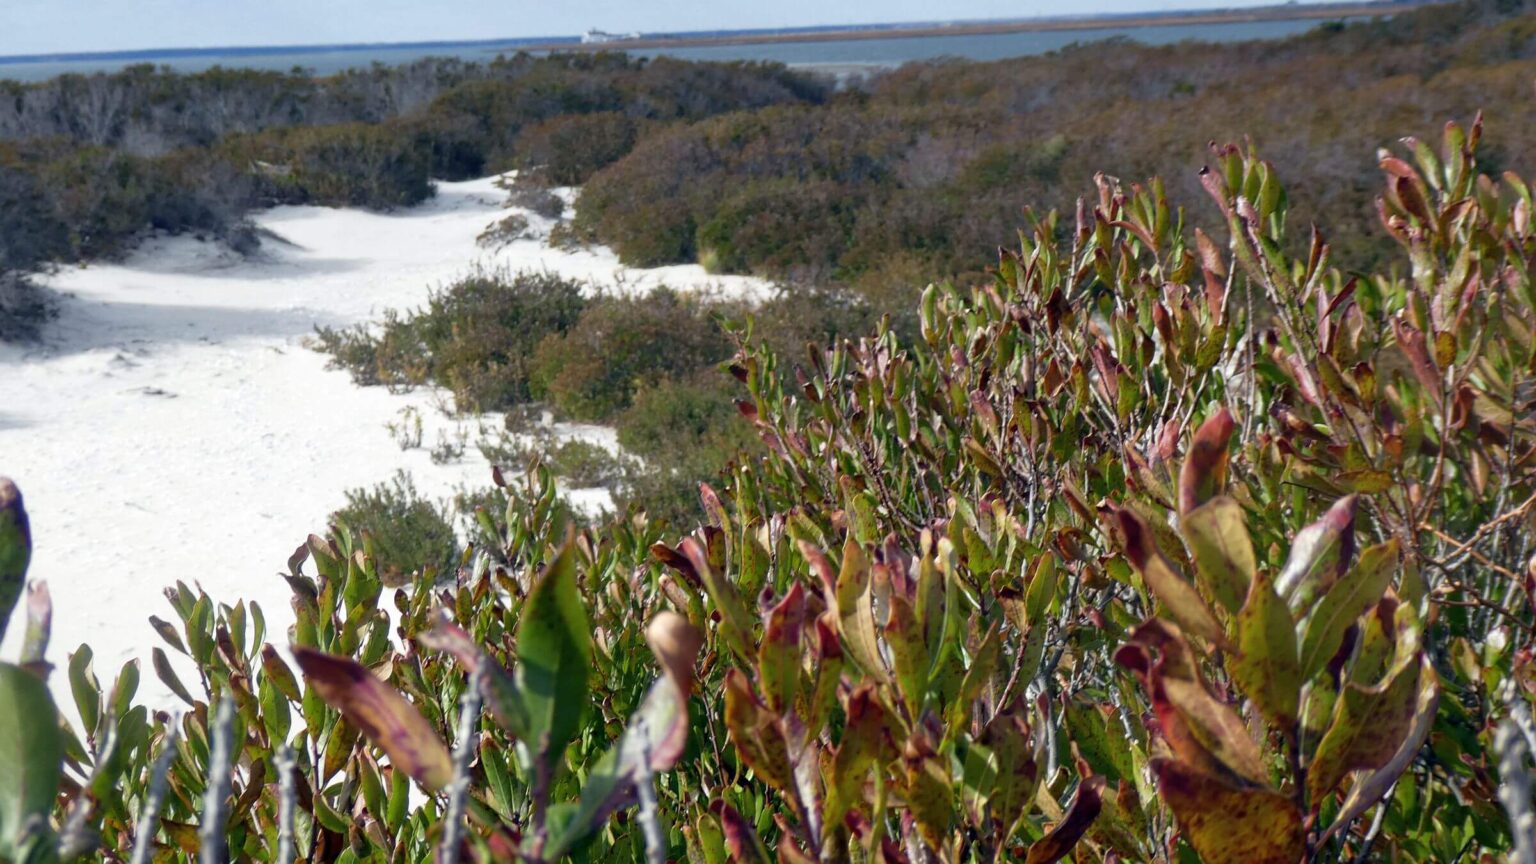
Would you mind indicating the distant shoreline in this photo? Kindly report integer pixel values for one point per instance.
(1289, 12)
(1297, 12)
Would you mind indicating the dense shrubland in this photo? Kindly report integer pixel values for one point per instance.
(1162, 544)
(926, 169)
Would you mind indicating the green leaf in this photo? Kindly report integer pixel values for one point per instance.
(554, 643)
(1369, 725)
(31, 757)
(1319, 556)
(168, 677)
(381, 713)
(15, 549)
(1266, 667)
(1217, 534)
(1041, 590)
(1345, 602)
(653, 739)
(1182, 602)
(84, 687)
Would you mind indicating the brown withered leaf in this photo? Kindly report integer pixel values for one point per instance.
(381, 713)
(1177, 595)
(1204, 473)
(1227, 823)
(1058, 842)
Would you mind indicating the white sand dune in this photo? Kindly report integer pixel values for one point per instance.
(175, 427)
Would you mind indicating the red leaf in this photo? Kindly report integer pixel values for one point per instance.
(381, 713)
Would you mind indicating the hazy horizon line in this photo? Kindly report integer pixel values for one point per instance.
(560, 39)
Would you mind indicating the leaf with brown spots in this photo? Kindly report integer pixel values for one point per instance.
(778, 655)
(758, 736)
(741, 842)
(1201, 729)
(1369, 725)
(1320, 554)
(1018, 767)
(1217, 535)
(856, 613)
(1227, 823)
(1369, 788)
(1177, 595)
(1205, 468)
(928, 786)
(1267, 669)
(866, 742)
(1345, 602)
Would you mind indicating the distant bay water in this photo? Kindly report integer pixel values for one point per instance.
(832, 55)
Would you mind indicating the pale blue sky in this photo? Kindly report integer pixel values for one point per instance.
(53, 26)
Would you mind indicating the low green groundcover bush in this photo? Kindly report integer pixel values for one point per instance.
(404, 532)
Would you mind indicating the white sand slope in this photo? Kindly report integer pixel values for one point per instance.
(175, 426)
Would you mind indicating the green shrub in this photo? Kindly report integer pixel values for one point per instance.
(404, 532)
(24, 308)
(529, 192)
(504, 231)
(476, 338)
(567, 149)
(677, 435)
(592, 370)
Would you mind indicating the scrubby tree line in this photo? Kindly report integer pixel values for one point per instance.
(89, 164)
(149, 111)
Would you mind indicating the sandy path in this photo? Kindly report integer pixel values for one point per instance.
(174, 426)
